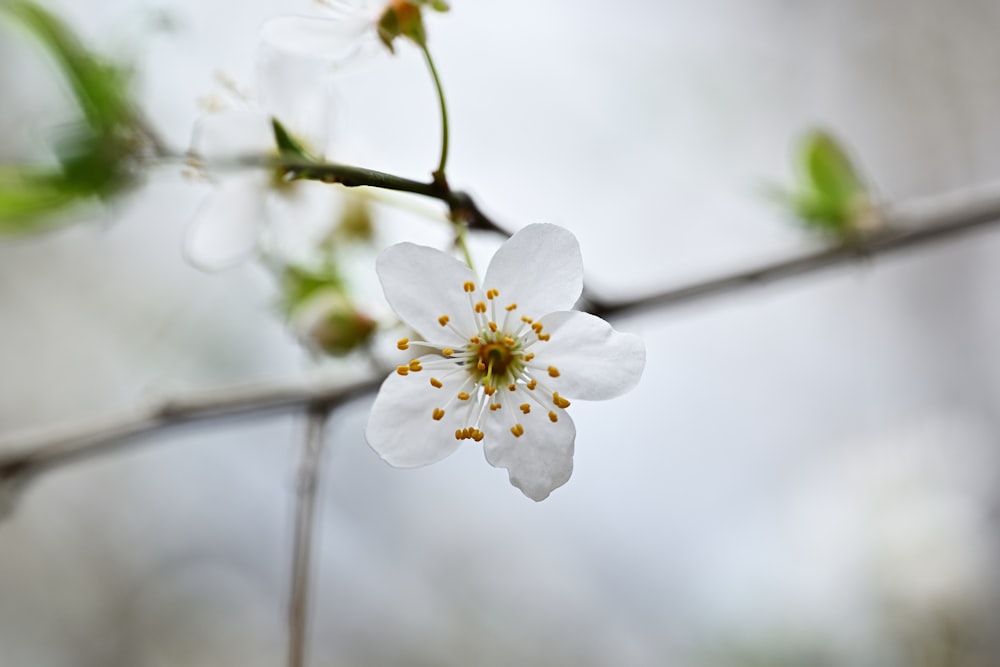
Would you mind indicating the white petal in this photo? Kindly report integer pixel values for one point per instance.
(539, 461)
(539, 268)
(225, 228)
(594, 361)
(401, 428)
(334, 40)
(421, 284)
(295, 91)
(233, 134)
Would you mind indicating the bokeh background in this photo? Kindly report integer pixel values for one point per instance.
(806, 475)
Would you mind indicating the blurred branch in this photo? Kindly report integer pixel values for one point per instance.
(305, 525)
(28, 457)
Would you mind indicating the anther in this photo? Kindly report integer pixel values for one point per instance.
(403, 370)
(529, 356)
(476, 435)
(491, 293)
(447, 351)
(475, 340)
(532, 384)
(526, 319)
(489, 390)
(553, 372)
(517, 430)
(493, 326)
(480, 307)
(481, 366)
(415, 365)
(462, 396)
(537, 327)
(509, 341)
(511, 307)
(553, 417)
(512, 387)
(494, 406)
(458, 434)
(525, 408)
(443, 320)
(469, 286)
(544, 336)
(403, 344)
(438, 413)
(436, 383)
(559, 400)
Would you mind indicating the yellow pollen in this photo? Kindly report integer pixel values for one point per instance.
(415, 365)
(459, 434)
(403, 344)
(537, 327)
(529, 356)
(447, 351)
(493, 326)
(559, 400)
(545, 337)
(532, 384)
(494, 406)
(477, 435)
(475, 340)
(436, 383)
(481, 366)
(469, 286)
(511, 307)
(480, 307)
(512, 387)
(553, 417)
(462, 396)
(553, 372)
(489, 390)
(443, 320)
(525, 408)
(403, 370)
(509, 341)
(492, 293)
(438, 413)
(526, 319)
(517, 430)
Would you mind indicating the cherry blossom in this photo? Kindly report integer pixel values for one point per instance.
(499, 361)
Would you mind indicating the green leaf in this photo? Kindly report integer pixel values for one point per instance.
(28, 198)
(830, 171)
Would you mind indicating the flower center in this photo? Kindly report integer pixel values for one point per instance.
(496, 357)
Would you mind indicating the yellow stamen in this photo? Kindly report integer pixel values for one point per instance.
(403, 344)
(553, 372)
(481, 366)
(443, 320)
(545, 337)
(494, 406)
(529, 356)
(537, 327)
(509, 341)
(489, 390)
(559, 400)
(459, 434)
(469, 286)
(553, 417)
(491, 293)
(532, 384)
(525, 408)
(512, 387)
(477, 435)
(447, 351)
(493, 326)
(436, 383)
(475, 340)
(517, 430)
(438, 413)
(403, 370)
(462, 396)
(526, 319)
(415, 365)
(480, 307)
(511, 307)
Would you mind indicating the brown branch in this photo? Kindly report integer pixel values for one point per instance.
(30, 456)
(305, 526)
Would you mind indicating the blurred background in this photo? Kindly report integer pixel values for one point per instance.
(806, 475)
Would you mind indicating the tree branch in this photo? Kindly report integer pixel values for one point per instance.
(29, 456)
(305, 526)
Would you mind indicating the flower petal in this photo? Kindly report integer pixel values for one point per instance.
(334, 40)
(421, 284)
(225, 228)
(294, 90)
(401, 428)
(233, 134)
(594, 361)
(538, 461)
(539, 268)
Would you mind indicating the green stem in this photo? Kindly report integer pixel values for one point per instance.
(461, 241)
(439, 173)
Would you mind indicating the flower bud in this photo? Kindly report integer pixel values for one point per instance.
(328, 322)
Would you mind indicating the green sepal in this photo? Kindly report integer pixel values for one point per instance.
(288, 146)
(27, 197)
(402, 19)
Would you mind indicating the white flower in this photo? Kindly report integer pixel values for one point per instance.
(499, 359)
(228, 225)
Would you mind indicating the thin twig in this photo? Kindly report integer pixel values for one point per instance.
(305, 527)
(29, 456)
